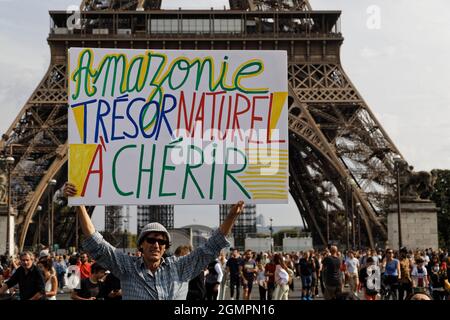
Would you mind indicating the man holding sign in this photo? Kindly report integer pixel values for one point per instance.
(151, 277)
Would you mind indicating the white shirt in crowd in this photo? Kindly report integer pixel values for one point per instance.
(352, 265)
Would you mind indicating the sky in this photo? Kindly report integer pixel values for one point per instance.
(395, 53)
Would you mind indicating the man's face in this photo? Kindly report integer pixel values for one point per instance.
(26, 261)
(248, 255)
(84, 258)
(153, 250)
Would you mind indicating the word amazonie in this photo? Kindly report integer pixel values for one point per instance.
(152, 70)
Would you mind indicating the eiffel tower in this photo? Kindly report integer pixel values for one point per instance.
(341, 158)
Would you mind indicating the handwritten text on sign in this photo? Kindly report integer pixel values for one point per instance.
(178, 127)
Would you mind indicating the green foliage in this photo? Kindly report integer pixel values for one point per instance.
(441, 196)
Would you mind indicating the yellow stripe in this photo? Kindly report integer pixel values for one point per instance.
(267, 173)
(268, 192)
(280, 175)
(273, 149)
(264, 166)
(268, 153)
(274, 180)
(253, 158)
(269, 198)
(265, 185)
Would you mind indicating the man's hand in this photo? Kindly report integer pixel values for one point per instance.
(70, 190)
(237, 209)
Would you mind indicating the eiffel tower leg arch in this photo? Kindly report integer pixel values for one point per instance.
(31, 206)
(303, 125)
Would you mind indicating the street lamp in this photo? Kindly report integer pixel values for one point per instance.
(327, 195)
(125, 239)
(347, 236)
(51, 183)
(38, 210)
(358, 205)
(397, 162)
(271, 235)
(9, 163)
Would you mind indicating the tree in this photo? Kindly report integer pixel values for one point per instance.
(441, 196)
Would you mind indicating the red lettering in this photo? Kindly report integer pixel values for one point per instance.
(238, 113)
(200, 116)
(187, 125)
(255, 118)
(99, 171)
(223, 137)
(214, 94)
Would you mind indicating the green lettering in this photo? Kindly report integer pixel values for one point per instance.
(116, 186)
(150, 182)
(189, 171)
(229, 173)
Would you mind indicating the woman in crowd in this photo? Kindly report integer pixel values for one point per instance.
(51, 282)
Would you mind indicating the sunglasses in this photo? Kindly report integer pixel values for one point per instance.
(161, 242)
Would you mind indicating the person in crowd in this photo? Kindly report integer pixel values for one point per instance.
(269, 271)
(281, 291)
(315, 274)
(307, 268)
(342, 270)
(290, 269)
(90, 287)
(28, 277)
(248, 273)
(213, 280)
(261, 279)
(72, 279)
(352, 268)
(223, 265)
(51, 281)
(405, 282)
(110, 288)
(152, 277)
(392, 271)
(331, 273)
(419, 275)
(61, 269)
(234, 269)
(438, 276)
(370, 278)
(85, 266)
(419, 296)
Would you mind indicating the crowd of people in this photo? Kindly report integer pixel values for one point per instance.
(325, 274)
(208, 272)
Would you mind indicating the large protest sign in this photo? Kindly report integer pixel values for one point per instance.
(178, 127)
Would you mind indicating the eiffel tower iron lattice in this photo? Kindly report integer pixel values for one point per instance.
(336, 143)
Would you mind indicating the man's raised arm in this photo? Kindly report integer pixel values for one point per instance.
(87, 227)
